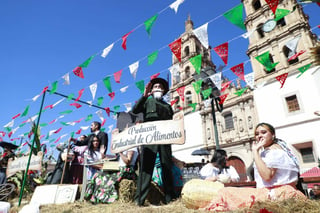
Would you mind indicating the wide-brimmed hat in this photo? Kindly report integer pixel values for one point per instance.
(161, 81)
(8, 145)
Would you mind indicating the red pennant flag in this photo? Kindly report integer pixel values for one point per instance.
(3, 133)
(44, 89)
(29, 135)
(13, 139)
(222, 51)
(176, 48)
(318, 3)
(282, 78)
(238, 70)
(25, 143)
(273, 4)
(41, 137)
(226, 85)
(155, 76)
(124, 40)
(181, 92)
(78, 132)
(58, 130)
(173, 102)
(14, 117)
(9, 134)
(107, 109)
(80, 94)
(78, 121)
(117, 76)
(103, 122)
(319, 24)
(296, 55)
(78, 72)
(51, 122)
(49, 106)
(223, 98)
(76, 105)
(57, 139)
(111, 95)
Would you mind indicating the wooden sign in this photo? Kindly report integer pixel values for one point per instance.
(150, 133)
(20, 164)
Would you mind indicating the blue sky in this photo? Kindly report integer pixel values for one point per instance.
(41, 41)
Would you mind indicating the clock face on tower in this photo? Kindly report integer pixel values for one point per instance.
(269, 25)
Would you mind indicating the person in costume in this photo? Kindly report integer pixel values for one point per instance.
(154, 108)
(275, 170)
(217, 169)
(93, 155)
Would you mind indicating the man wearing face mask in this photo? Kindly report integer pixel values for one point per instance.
(153, 107)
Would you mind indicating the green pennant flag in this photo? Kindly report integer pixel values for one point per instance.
(52, 145)
(88, 118)
(107, 83)
(235, 16)
(47, 137)
(140, 85)
(193, 105)
(54, 87)
(65, 112)
(25, 112)
(303, 69)
(240, 91)
(197, 86)
(264, 59)
(25, 134)
(99, 101)
(152, 57)
(70, 96)
(206, 93)
(64, 123)
(148, 24)
(71, 134)
(8, 129)
(196, 62)
(87, 62)
(116, 109)
(53, 139)
(21, 125)
(280, 13)
(102, 129)
(43, 124)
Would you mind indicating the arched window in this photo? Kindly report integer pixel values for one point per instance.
(187, 72)
(256, 5)
(188, 97)
(286, 52)
(186, 51)
(228, 120)
(260, 31)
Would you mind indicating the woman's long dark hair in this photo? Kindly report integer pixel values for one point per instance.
(219, 159)
(90, 146)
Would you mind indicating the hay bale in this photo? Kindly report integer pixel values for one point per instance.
(197, 193)
(127, 189)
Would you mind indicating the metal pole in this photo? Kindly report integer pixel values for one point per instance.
(32, 144)
(215, 124)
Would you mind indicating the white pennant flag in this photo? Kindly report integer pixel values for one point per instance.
(128, 106)
(90, 103)
(247, 34)
(134, 69)
(202, 34)
(175, 5)
(292, 45)
(71, 123)
(62, 136)
(216, 79)
(249, 79)
(84, 127)
(100, 114)
(35, 97)
(93, 88)
(58, 102)
(124, 89)
(66, 79)
(10, 124)
(15, 129)
(174, 70)
(107, 50)
(51, 132)
(32, 118)
(110, 128)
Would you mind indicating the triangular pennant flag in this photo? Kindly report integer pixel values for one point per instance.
(249, 79)
(58, 130)
(10, 124)
(70, 97)
(54, 87)
(248, 34)
(297, 55)
(78, 132)
(282, 78)
(134, 69)
(273, 4)
(65, 112)
(58, 139)
(206, 93)
(216, 79)
(202, 34)
(292, 46)
(124, 40)
(223, 98)
(303, 69)
(149, 23)
(238, 70)
(2, 133)
(66, 79)
(140, 86)
(53, 121)
(99, 113)
(124, 89)
(224, 86)
(264, 59)
(107, 109)
(117, 76)
(240, 91)
(180, 91)
(155, 76)
(78, 72)
(25, 112)
(77, 105)
(280, 13)
(45, 89)
(107, 83)
(58, 102)
(99, 101)
(89, 117)
(152, 57)
(235, 16)
(103, 122)
(64, 123)
(196, 62)
(128, 106)
(174, 70)
(80, 94)
(78, 121)
(93, 89)
(193, 105)
(107, 50)
(173, 102)
(176, 48)
(197, 86)
(175, 5)
(14, 117)
(111, 95)
(35, 97)
(49, 106)
(87, 62)
(116, 108)
(222, 50)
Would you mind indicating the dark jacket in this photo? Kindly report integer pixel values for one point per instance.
(103, 137)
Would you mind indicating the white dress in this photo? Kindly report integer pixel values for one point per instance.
(96, 156)
(210, 171)
(287, 170)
